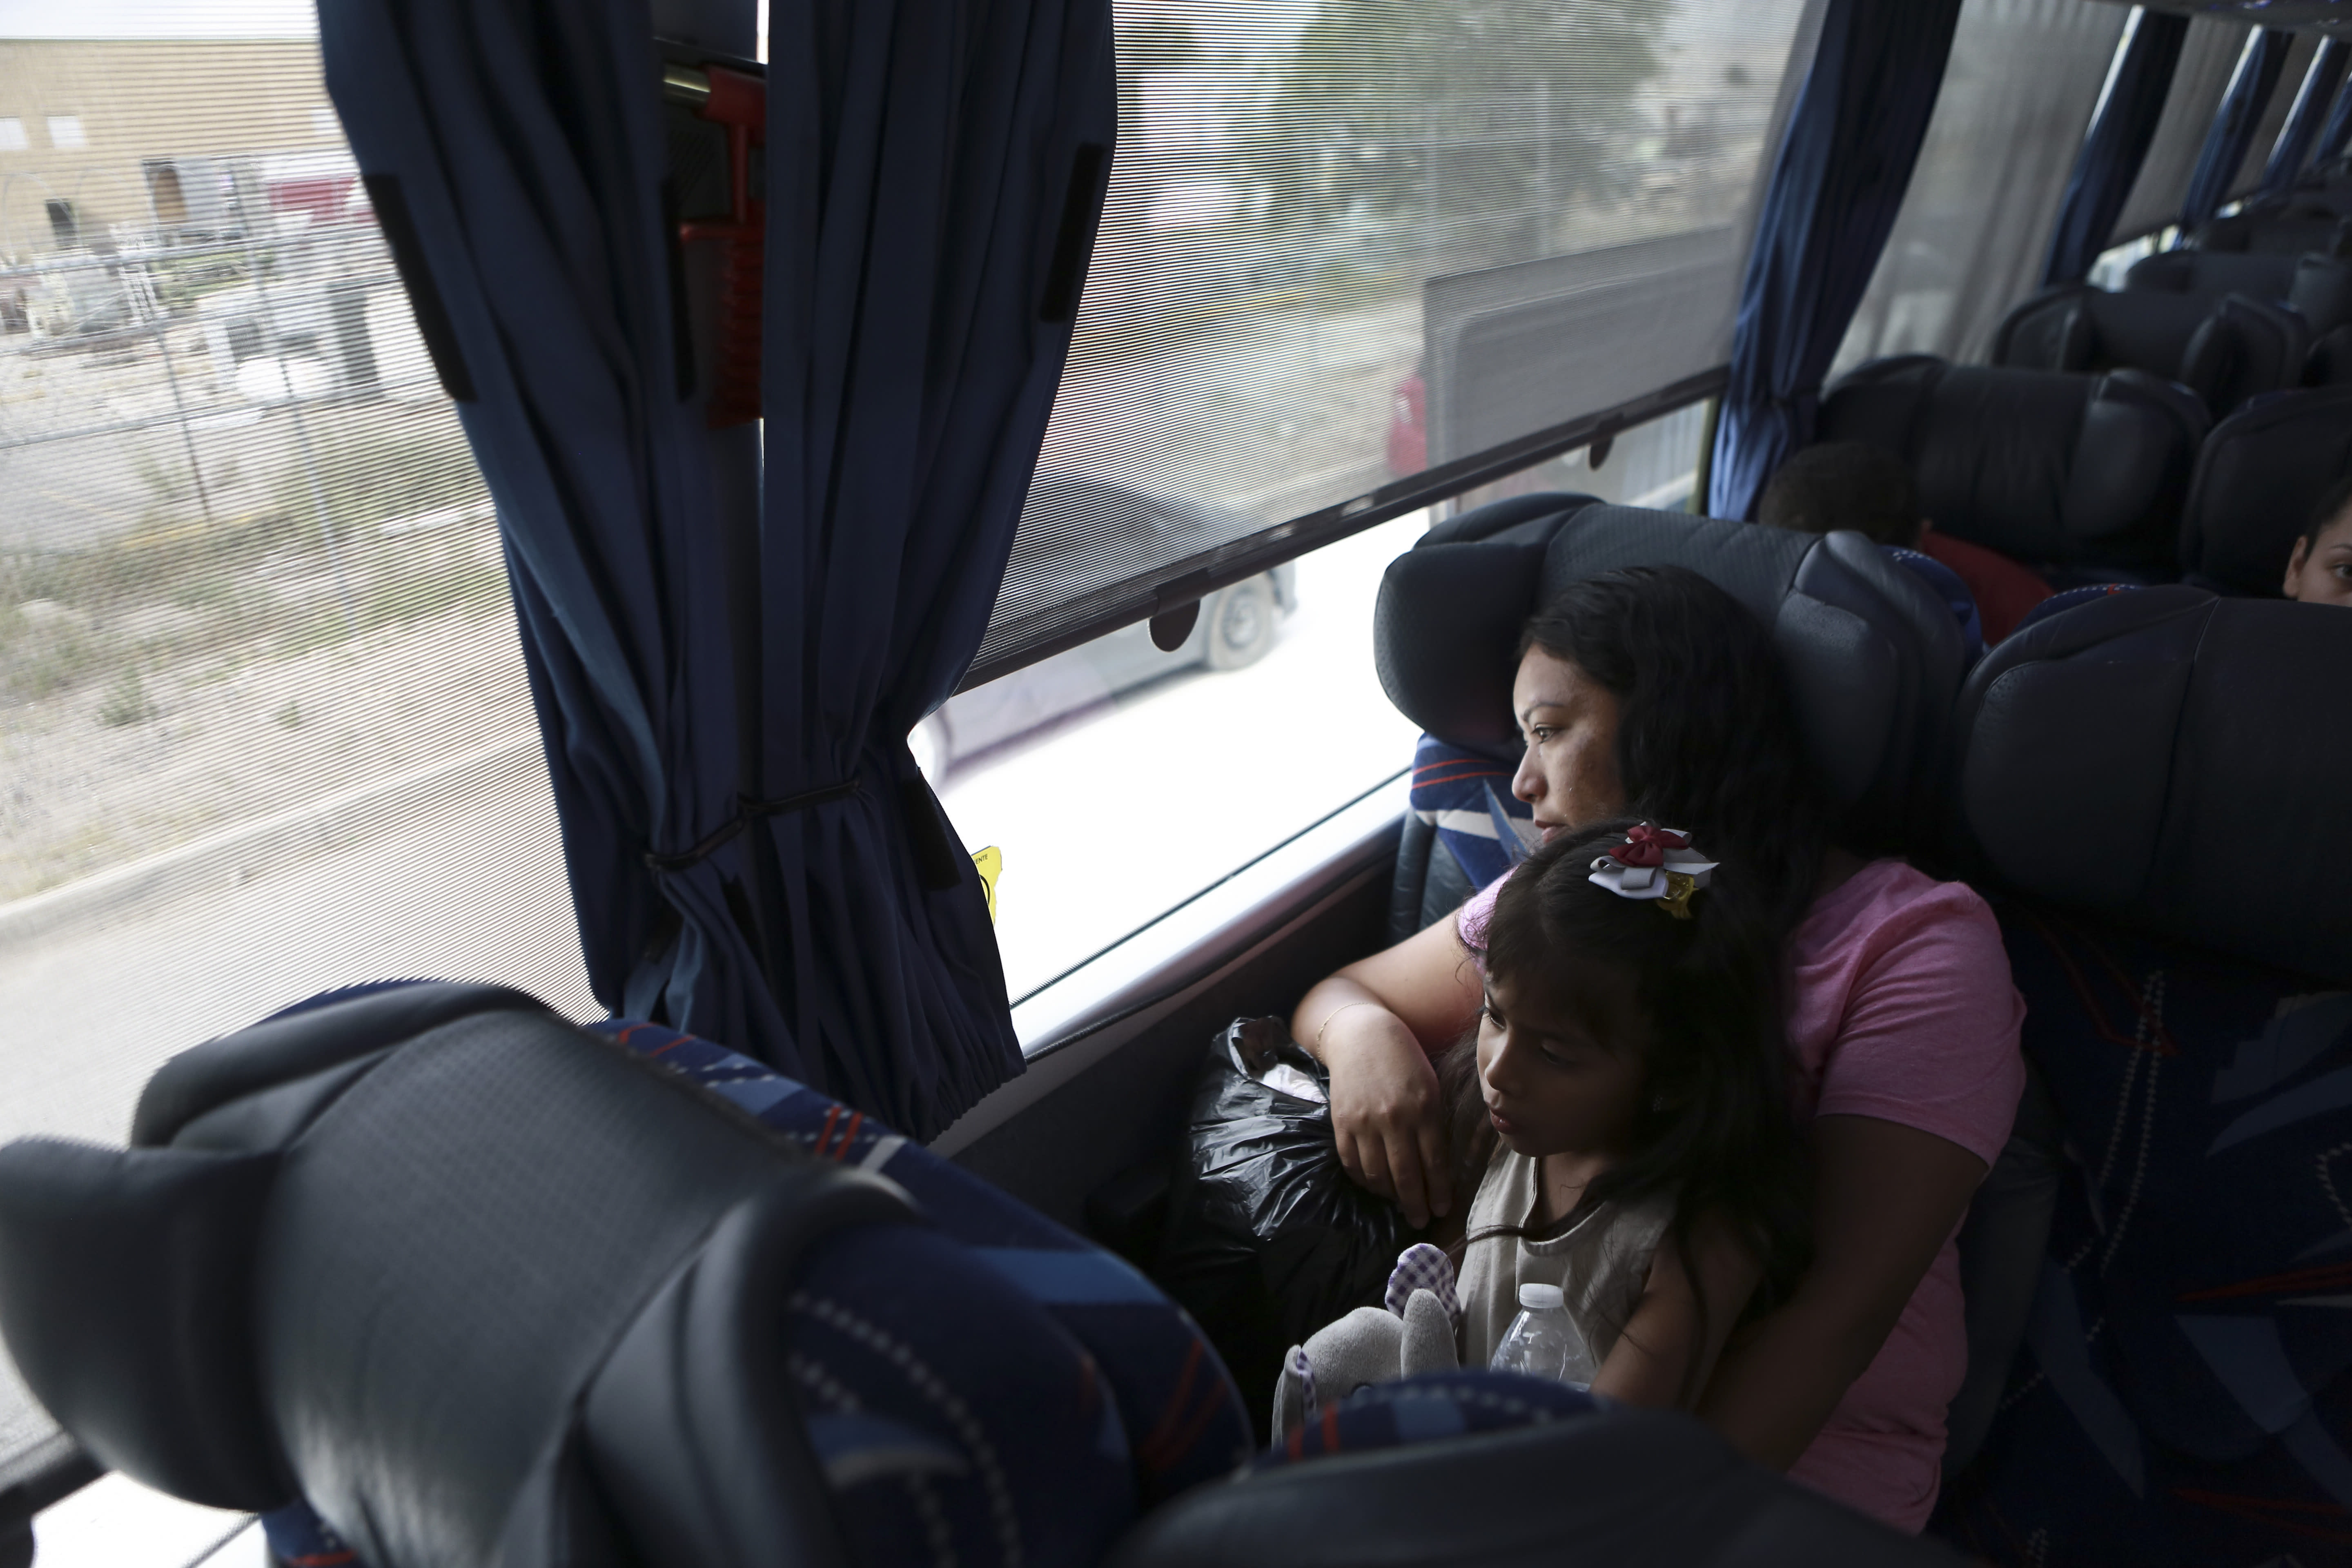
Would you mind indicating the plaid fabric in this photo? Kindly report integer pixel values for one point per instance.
(1946, 585)
(1181, 1415)
(2184, 1397)
(1422, 1267)
(1467, 798)
(1426, 1408)
(2058, 604)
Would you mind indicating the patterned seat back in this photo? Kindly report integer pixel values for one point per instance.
(2155, 780)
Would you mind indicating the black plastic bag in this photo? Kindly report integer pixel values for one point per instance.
(1266, 1237)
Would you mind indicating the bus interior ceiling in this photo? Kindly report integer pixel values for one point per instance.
(1357, 270)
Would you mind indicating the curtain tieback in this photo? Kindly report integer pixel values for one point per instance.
(747, 811)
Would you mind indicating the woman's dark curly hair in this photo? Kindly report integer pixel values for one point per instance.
(1707, 735)
(1717, 1130)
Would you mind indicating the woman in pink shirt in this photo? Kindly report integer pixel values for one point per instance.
(1652, 692)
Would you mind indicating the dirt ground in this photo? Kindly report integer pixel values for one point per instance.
(221, 742)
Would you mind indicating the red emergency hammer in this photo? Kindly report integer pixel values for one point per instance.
(739, 103)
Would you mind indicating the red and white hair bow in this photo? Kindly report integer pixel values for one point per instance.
(1654, 863)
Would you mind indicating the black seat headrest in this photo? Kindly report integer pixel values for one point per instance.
(298, 1045)
(413, 1301)
(2079, 327)
(2226, 348)
(2285, 232)
(1869, 653)
(2175, 762)
(2041, 466)
(149, 1254)
(2243, 349)
(2212, 273)
(2261, 474)
(2322, 290)
(2329, 362)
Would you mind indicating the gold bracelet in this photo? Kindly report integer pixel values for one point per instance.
(1335, 1013)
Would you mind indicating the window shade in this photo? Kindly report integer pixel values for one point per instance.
(1323, 218)
(2274, 113)
(2207, 58)
(2024, 77)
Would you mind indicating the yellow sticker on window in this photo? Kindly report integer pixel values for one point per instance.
(991, 862)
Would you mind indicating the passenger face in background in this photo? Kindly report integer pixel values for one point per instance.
(2320, 571)
(1569, 722)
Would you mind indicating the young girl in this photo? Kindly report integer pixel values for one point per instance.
(1621, 1110)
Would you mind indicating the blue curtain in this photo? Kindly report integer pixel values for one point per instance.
(1837, 183)
(2338, 132)
(2303, 121)
(2234, 124)
(924, 257)
(2117, 144)
(808, 905)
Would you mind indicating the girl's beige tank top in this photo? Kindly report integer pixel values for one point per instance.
(1601, 1263)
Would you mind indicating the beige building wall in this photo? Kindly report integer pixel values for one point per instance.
(137, 102)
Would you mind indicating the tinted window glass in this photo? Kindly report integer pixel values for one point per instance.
(1348, 238)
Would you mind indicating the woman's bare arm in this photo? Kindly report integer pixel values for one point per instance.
(1375, 1025)
(1886, 1197)
(1651, 1362)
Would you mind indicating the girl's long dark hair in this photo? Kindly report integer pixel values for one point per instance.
(1707, 735)
(1715, 1130)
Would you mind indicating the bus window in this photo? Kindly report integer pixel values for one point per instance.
(266, 724)
(1118, 779)
(1346, 240)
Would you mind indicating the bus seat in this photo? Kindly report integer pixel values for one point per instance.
(1525, 520)
(2212, 272)
(2322, 291)
(1873, 656)
(2225, 350)
(2281, 231)
(2042, 466)
(500, 1290)
(2329, 362)
(2320, 287)
(2151, 783)
(2113, 759)
(2261, 473)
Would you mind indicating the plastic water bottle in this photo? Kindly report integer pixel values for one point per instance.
(1544, 1341)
